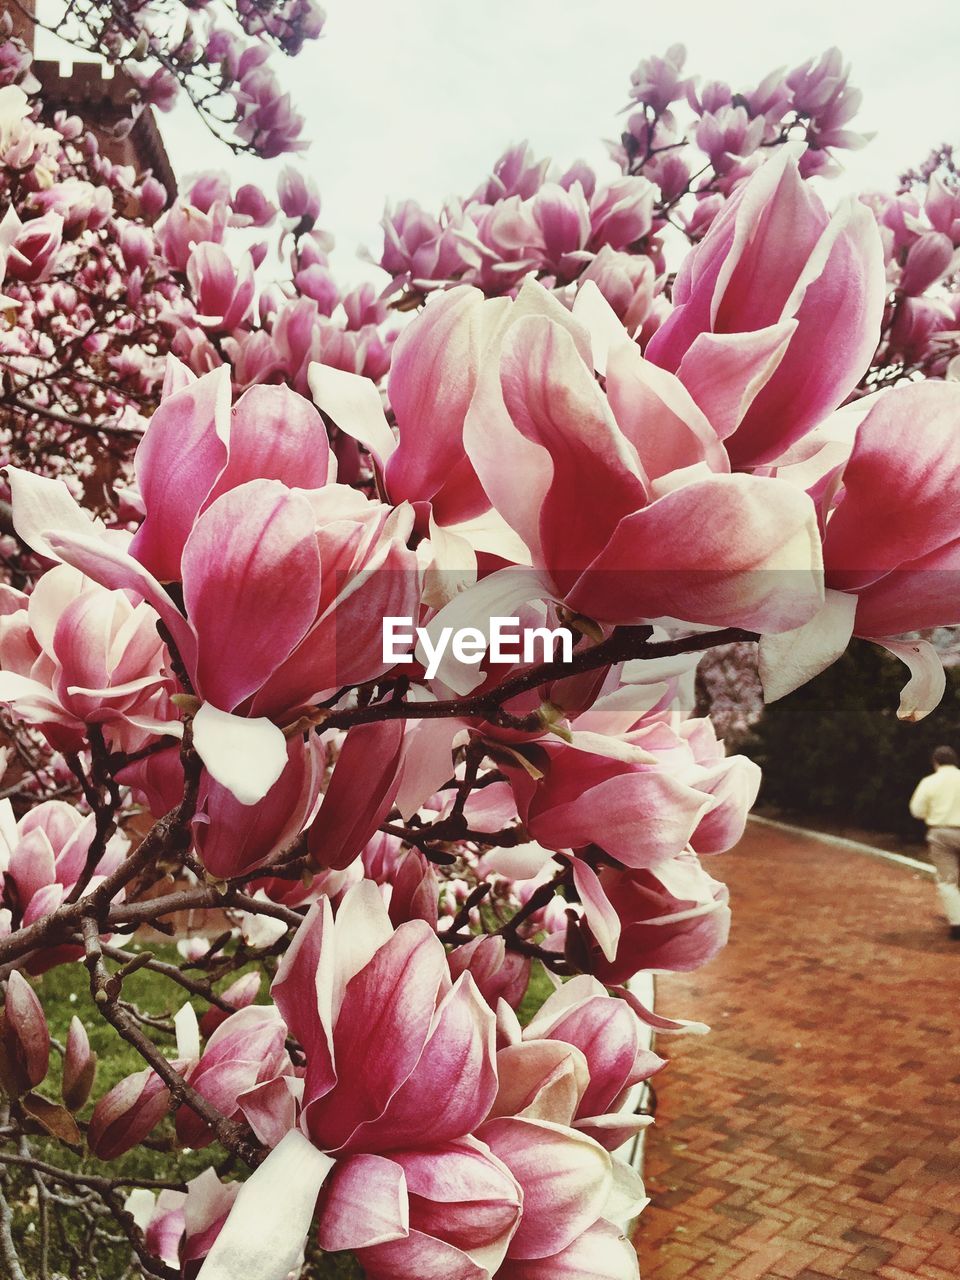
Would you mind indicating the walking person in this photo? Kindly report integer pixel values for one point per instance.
(937, 802)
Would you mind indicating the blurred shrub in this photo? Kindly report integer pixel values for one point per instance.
(836, 749)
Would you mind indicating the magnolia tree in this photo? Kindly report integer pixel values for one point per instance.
(365, 733)
(101, 283)
(217, 54)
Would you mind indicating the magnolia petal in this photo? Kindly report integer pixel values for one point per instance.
(602, 1252)
(566, 1179)
(264, 1236)
(497, 596)
(40, 506)
(540, 1080)
(600, 320)
(928, 682)
(627, 1196)
(788, 659)
(676, 1026)
(245, 756)
(113, 567)
(360, 794)
(603, 920)
(427, 761)
(178, 460)
(725, 371)
(188, 1033)
(34, 699)
(354, 405)
(365, 1203)
(454, 1082)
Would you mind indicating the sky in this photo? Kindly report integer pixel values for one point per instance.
(417, 98)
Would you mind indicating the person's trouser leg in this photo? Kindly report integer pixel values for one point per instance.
(944, 848)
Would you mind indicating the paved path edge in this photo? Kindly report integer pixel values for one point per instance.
(855, 846)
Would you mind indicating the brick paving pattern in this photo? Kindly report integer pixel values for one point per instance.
(815, 1133)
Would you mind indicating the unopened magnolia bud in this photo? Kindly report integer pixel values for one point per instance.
(79, 1067)
(24, 1038)
(124, 1116)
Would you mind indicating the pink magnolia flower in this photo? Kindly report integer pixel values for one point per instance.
(245, 1055)
(673, 918)
(417, 246)
(621, 213)
(268, 121)
(610, 530)
(298, 195)
(223, 289)
(183, 227)
(659, 81)
(569, 1189)
(251, 208)
(33, 254)
(208, 189)
(576, 1062)
(892, 530)
(928, 260)
(777, 313)
(516, 173)
(435, 1040)
(74, 654)
(242, 1071)
(230, 837)
(633, 791)
(400, 1070)
(942, 207)
(45, 853)
(432, 379)
(626, 281)
(563, 218)
(499, 974)
(79, 1066)
(727, 134)
(223, 519)
(125, 1115)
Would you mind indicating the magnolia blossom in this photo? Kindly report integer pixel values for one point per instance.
(421, 1162)
(234, 536)
(74, 654)
(749, 326)
(44, 855)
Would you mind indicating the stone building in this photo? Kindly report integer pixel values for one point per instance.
(101, 99)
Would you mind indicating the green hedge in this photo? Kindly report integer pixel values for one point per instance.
(835, 747)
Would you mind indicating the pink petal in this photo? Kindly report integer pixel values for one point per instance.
(602, 1252)
(363, 1204)
(381, 1032)
(566, 1179)
(753, 560)
(603, 920)
(452, 1086)
(360, 794)
(177, 464)
(303, 990)
(724, 372)
(238, 564)
(275, 434)
(657, 414)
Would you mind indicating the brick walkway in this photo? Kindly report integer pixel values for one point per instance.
(815, 1133)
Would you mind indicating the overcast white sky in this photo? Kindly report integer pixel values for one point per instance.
(418, 97)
